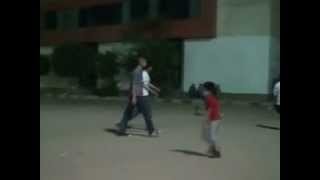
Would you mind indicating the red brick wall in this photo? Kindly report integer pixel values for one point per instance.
(203, 26)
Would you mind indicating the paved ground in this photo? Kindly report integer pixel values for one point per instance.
(75, 146)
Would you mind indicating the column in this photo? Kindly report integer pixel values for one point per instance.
(126, 11)
(194, 7)
(153, 9)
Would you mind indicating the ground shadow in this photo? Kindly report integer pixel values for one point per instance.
(268, 127)
(137, 128)
(188, 152)
(116, 133)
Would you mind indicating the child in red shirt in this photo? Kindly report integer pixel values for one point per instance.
(212, 121)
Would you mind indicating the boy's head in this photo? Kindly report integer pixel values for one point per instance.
(210, 88)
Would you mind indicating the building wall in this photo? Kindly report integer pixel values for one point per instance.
(239, 59)
(238, 64)
(46, 50)
(243, 17)
(243, 58)
(275, 41)
(195, 26)
(118, 47)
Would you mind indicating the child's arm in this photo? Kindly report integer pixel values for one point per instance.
(133, 92)
(154, 87)
(151, 90)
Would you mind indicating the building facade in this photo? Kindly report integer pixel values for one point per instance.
(232, 42)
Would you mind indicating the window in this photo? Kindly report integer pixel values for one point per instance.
(101, 15)
(139, 9)
(67, 19)
(195, 8)
(174, 9)
(51, 20)
(83, 18)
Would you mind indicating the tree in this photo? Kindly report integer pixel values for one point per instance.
(107, 68)
(44, 65)
(78, 61)
(166, 59)
(164, 55)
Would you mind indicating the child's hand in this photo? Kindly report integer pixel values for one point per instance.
(155, 93)
(134, 100)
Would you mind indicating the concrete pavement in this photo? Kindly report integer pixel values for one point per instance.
(74, 145)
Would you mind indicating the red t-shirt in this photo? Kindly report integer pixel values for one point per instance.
(213, 107)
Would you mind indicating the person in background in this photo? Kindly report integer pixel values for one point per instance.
(152, 88)
(276, 93)
(211, 123)
(140, 88)
(199, 100)
(192, 92)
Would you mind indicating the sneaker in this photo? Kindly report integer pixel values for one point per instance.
(118, 125)
(218, 154)
(155, 133)
(215, 154)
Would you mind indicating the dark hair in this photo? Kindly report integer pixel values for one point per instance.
(212, 87)
(140, 55)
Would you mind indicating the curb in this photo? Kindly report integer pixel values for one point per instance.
(266, 104)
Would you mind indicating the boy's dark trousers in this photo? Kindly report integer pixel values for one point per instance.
(143, 106)
(277, 108)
